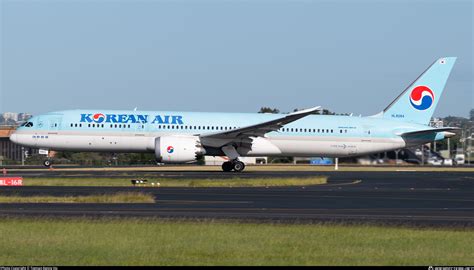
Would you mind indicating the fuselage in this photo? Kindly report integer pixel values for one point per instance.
(136, 131)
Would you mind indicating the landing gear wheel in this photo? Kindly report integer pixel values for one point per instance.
(47, 163)
(239, 166)
(227, 166)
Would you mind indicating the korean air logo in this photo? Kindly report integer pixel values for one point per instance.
(98, 117)
(421, 97)
(170, 149)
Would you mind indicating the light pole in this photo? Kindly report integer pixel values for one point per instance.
(422, 155)
(469, 152)
(22, 156)
(449, 149)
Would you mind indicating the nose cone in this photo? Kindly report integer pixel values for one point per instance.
(14, 138)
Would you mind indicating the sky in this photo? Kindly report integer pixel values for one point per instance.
(229, 56)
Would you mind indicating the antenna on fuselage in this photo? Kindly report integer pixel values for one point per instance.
(135, 109)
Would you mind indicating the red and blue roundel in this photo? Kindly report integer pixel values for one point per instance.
(421, 97)
(170, 149)
(98, 117)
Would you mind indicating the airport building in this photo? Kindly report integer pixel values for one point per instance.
(9, 150)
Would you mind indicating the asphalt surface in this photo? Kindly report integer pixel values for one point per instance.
(391, 198)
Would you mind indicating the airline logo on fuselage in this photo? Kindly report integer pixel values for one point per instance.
(130, 118)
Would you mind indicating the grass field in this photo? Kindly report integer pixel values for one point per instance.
(120, 197)
(271, 167)
(154, 242)
(170, 182)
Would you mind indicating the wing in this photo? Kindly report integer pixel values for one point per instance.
(244, 134)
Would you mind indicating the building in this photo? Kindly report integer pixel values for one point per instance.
(436, 123)
(10, 115)
(9, 150)
(24, 116)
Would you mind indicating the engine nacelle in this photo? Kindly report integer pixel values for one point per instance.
(178, 149)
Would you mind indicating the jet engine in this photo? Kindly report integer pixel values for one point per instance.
(178, 149)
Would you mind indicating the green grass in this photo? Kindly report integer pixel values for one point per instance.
(171, 182)
(120, 197)
(270, 167)
(155, 242)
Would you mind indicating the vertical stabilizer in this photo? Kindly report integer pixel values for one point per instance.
(417, 103)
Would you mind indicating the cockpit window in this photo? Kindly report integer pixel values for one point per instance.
(27, 124)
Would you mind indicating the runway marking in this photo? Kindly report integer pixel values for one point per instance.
(342, 184)
(202, 202)
(406, 170)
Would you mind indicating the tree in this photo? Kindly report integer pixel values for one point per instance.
(325, 111)
(268, 110)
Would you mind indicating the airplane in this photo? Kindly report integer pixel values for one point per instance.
(182, 137)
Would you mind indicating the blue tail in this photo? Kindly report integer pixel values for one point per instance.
(417, 103)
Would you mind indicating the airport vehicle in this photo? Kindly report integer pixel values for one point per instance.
(435, 161)
(180, 137)
(448, 162)
(459, 159)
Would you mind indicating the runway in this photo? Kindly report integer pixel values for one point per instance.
(392, 198)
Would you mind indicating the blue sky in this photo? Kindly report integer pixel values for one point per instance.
(230, 56)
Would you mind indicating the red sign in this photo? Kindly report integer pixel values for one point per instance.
(11, 181)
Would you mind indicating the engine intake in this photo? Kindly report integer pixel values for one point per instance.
(178, 149)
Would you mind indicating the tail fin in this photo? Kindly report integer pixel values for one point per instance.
(417, 103)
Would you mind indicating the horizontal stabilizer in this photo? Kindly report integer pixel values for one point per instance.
(428, 131)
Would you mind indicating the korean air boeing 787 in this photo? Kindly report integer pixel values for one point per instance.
(181, 137)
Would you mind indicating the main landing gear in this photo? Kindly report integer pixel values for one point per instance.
(48, 163)
(235, 165)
